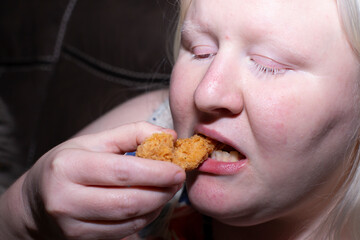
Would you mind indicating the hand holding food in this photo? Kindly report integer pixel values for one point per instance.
(86, 188)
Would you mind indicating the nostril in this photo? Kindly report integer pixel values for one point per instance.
(226, 112)
(214, 113)
(208, 117)
(229, 103)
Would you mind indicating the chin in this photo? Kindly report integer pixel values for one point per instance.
(216, 199)
(231, 215)
(211, 199)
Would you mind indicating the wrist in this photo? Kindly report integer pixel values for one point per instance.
(15, 221)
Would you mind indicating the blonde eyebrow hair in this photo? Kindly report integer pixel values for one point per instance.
(187, 29)
(189, 26)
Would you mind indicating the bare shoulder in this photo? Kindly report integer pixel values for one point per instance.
(136, 109)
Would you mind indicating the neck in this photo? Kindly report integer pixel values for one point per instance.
(298, 224)
(273, 230)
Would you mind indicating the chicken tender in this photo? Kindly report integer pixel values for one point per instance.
(159, 146)
(188, 153)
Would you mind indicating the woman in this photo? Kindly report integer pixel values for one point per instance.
(266, 78)
(275, 80)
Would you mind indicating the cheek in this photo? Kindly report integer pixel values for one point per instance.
(289, 120)
(294, 122)
(182, 87)
(272, 119)
(177, 91)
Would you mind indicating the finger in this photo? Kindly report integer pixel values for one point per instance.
(102, 204)
(121, 139)
(107, 169)
(93, 230)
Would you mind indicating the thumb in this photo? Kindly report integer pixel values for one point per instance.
(124, 138)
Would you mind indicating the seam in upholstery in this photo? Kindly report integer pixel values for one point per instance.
(110, 70)
(140, 84)
(63, 26)
(91, 61)
(27, 67)
(46, 59)
(27, 60)
(54, 59)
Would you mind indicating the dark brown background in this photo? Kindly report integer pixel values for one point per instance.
(63, 63)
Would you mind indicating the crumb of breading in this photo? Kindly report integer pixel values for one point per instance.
(188, 153)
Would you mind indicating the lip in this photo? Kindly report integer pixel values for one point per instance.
(213, 134)
(217, 167)
(222, 168)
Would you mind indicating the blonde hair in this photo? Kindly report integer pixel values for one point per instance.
(344, 218)
(349, 13)
(183, 5)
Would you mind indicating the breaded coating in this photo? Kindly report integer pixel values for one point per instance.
(191, 152)
(188, 153)
(159, 146)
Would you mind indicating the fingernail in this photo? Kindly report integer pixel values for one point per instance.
(179, 177)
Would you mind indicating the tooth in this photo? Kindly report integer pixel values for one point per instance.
(234, 156)
(223, 156)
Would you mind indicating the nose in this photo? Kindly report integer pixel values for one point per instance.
(219, 91)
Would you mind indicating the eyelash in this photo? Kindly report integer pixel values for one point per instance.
(268, 70)
(201, 57)
(258, 67)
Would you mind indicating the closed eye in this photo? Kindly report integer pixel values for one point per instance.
(203, 52)
(269, 70)
(268, 66)
(203, 56)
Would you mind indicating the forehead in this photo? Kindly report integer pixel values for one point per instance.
(263, 13)
(304, 24)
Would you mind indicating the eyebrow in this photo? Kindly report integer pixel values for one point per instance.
(189, 28)
(295, 56)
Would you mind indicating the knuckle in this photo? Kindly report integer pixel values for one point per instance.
(73, 232)
(60, 160)
(138, 224)
(55, 208)
(63, 163)
(121, 172)
(141, 124)
(129, 207)
(132, 212)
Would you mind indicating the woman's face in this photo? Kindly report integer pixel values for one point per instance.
(277, 81)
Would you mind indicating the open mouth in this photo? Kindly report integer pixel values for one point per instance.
(226, 153)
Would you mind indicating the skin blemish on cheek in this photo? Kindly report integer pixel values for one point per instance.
(274, 114)
(279, 132)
